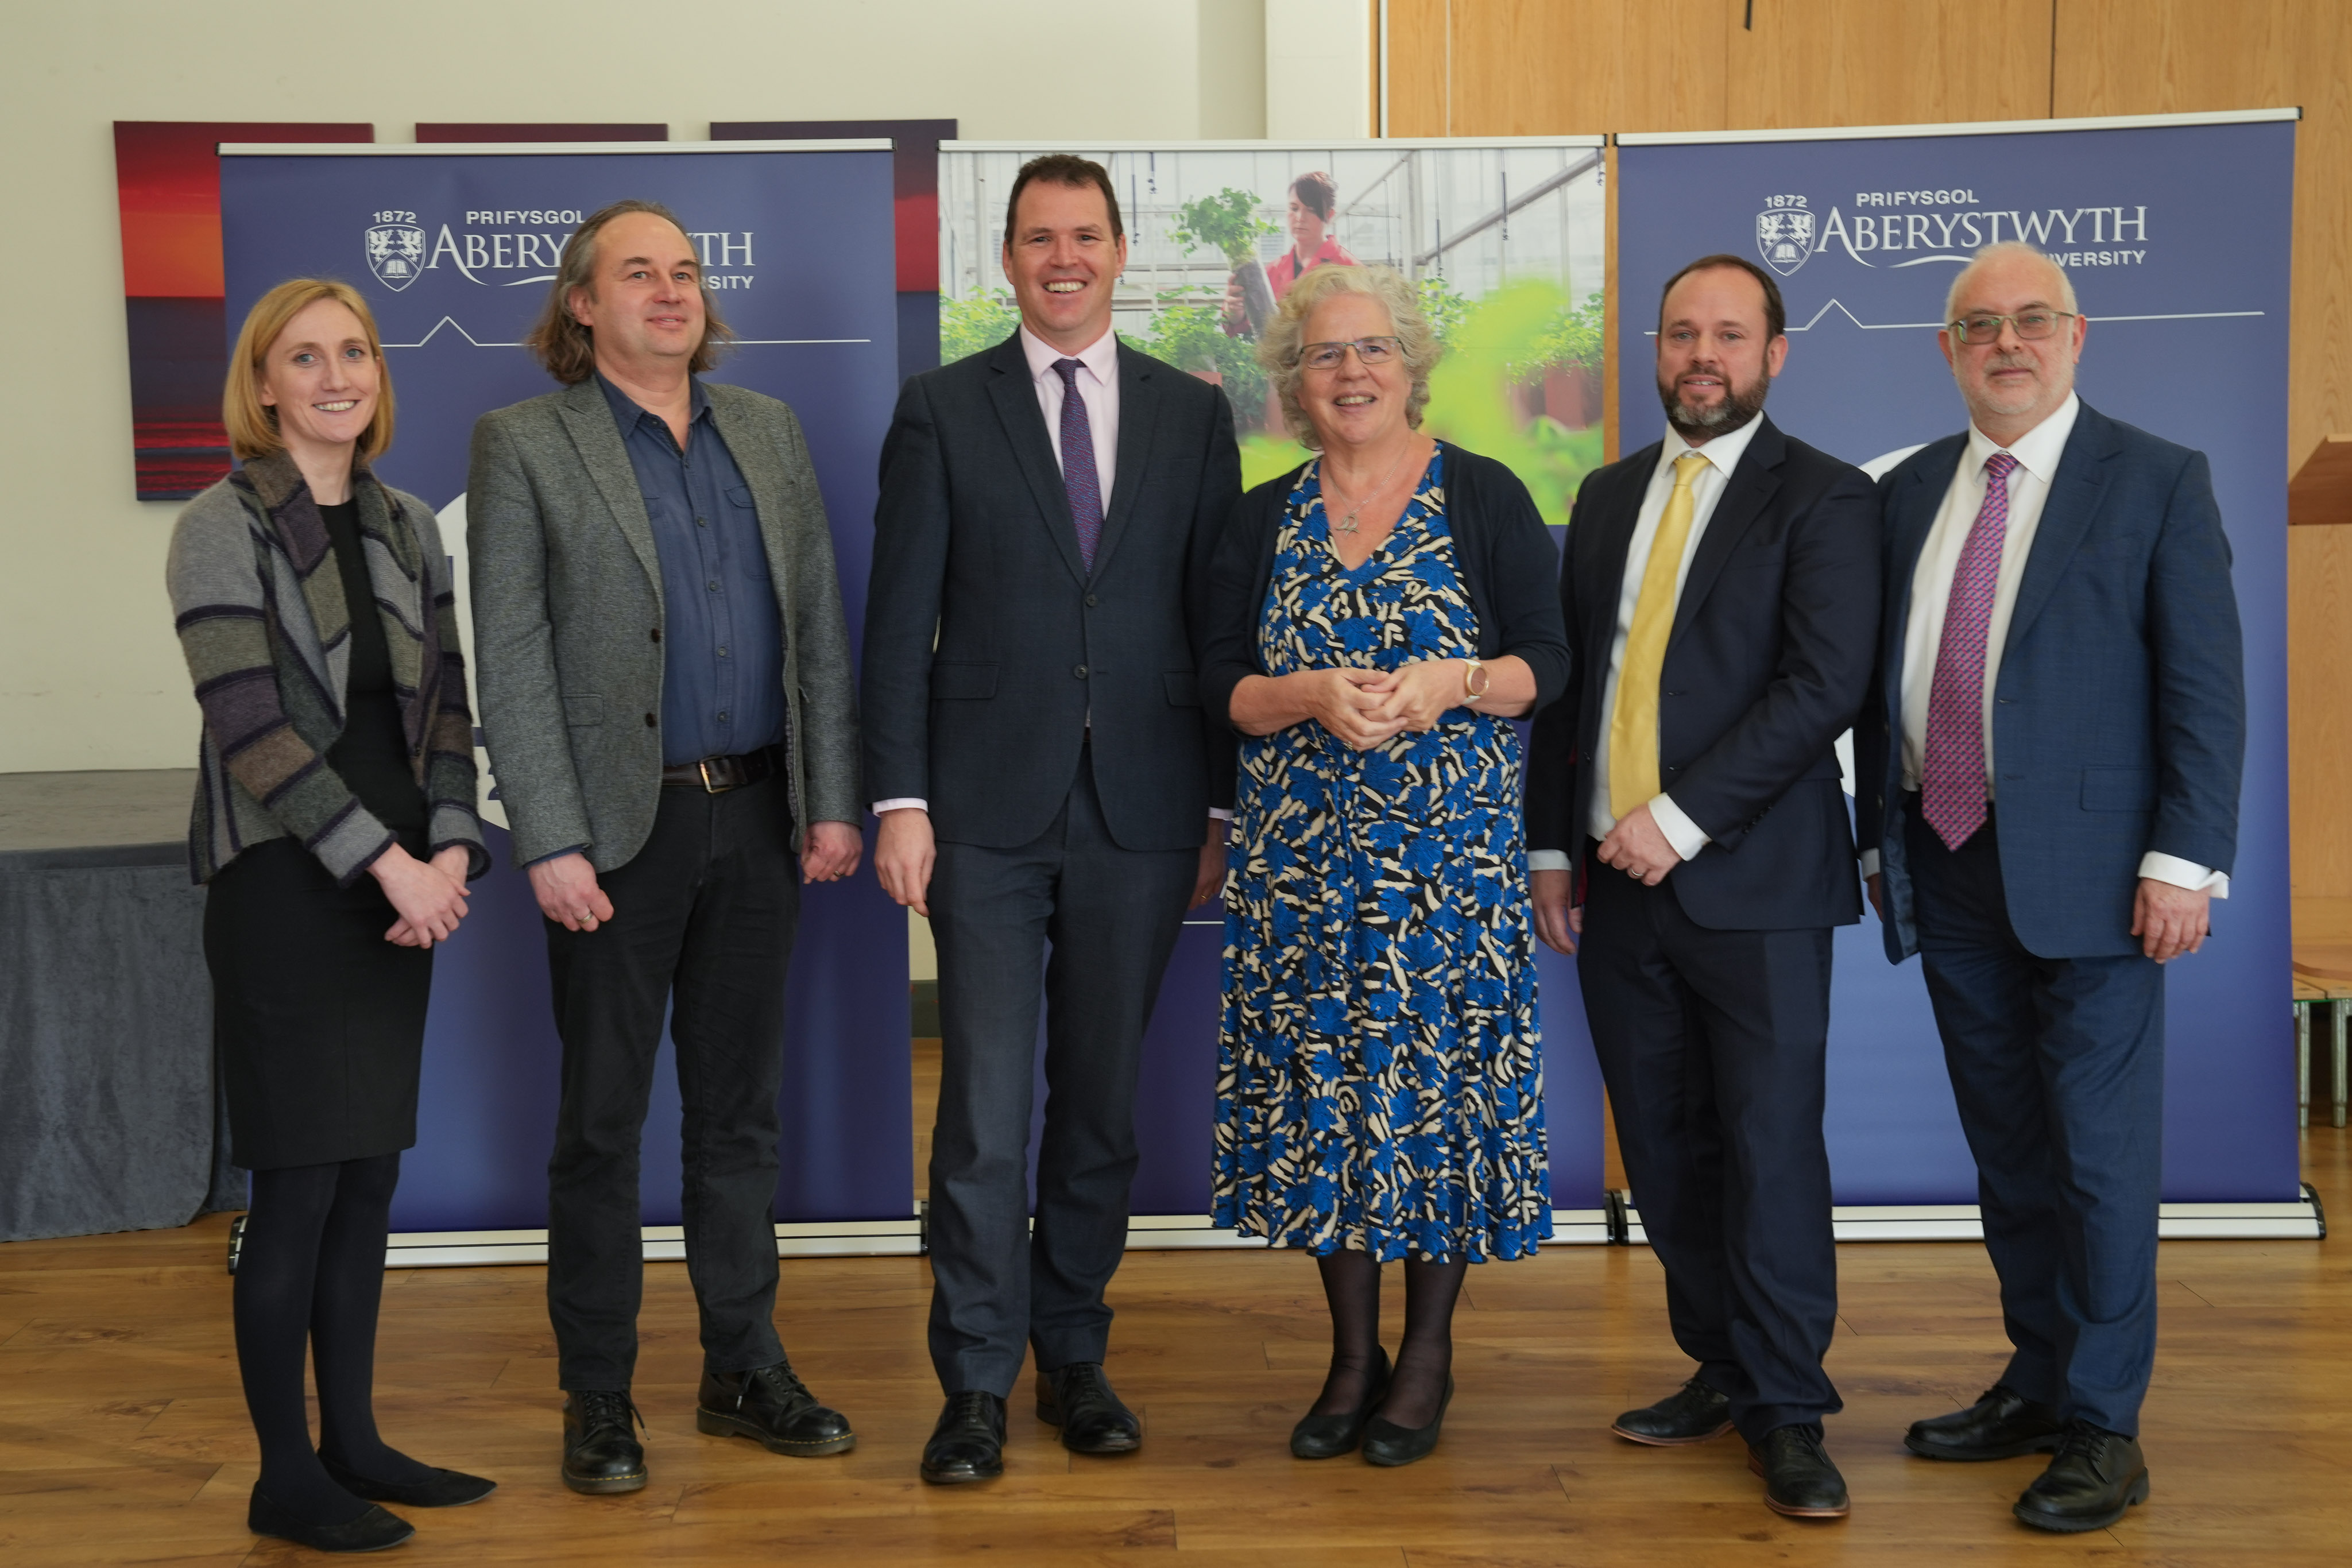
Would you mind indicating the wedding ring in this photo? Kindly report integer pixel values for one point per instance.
(1633, 873)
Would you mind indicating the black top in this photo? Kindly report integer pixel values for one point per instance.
(1502, 551)
(371, 754)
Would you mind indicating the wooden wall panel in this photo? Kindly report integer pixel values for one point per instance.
(1417, 48)
(1888, 62)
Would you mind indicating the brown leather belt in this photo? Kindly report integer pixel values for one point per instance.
(717, 775)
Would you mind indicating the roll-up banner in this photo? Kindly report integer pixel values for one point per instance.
(2176, 234)
(1504, 240)
(455, 247)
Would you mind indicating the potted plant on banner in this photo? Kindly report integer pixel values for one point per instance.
(1229, 221)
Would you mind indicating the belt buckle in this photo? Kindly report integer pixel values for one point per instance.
(702, 767)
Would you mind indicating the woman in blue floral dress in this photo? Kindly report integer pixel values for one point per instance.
(1379, 614)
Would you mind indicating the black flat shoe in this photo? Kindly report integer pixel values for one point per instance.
(770, 1405)
(442, 1488)
(1078, 1400)
(1329, 1436)
(968, 1444)
(1800, 1481)
(1388, 1445)
(2096, 1475)
(601, 1451)
(1692, 1414)
(2002, 1425)
(371, 1531)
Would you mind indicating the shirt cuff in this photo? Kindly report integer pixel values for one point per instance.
(1687, 836)
(902, 804)
(2157, 867)
(1869, 862)
(1220, 813)
(583, 849)
(1548, 859)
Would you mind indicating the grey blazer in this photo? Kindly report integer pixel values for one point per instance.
(567, 604)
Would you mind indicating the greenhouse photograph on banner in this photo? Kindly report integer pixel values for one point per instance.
(1503, 240)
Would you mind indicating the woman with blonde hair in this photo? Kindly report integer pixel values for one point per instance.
(335, 831)
(1377, 613)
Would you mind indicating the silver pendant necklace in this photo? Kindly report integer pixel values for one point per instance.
(1347, 525)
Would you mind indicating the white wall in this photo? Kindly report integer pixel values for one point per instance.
(90, 676)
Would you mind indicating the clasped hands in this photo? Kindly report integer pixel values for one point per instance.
(1365, 708)
(429, 895)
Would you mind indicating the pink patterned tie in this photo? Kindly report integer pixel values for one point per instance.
(1952, 781)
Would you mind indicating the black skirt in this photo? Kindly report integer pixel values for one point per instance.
(319, 1022)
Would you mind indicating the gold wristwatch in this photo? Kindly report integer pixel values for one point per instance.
(1474, 680)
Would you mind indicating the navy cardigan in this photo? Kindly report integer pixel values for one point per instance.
(1502, 551)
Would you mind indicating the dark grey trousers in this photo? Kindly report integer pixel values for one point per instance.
(703, 919)
(1111, 917)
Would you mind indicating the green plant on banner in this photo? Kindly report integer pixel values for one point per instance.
(967, 326)
(1229, 222)
(1493, 346)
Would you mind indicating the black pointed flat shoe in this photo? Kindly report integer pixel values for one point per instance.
(371, 1531)
(1388, 1445)
(1329, 1436)
(442, 1488)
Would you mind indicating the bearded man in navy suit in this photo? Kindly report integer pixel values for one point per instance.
(2048, 801)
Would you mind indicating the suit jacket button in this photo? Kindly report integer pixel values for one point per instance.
(652, 723)
(1080, 672)
(1090, 602)
(656, 633)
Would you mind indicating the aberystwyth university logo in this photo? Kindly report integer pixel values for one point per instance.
(1784, 233)
(395, 249)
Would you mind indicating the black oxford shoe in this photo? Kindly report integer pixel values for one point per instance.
(2002, 1425)
(2096, 1475)
(441, 1488)
(770, 1405)
(601, 1451)
(1799, 1480)
(968, 1444)
(371, 1531)
(1692, 1414)
(1078, 1400)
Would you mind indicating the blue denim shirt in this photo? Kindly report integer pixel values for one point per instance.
(722, 635)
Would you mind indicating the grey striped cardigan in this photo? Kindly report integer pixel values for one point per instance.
(258, 604)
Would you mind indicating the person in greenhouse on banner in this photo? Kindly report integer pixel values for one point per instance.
(1314, 201)
(1377, 614)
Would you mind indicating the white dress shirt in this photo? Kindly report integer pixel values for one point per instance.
(1722, 454)
(1099, 390)
(2038, 452)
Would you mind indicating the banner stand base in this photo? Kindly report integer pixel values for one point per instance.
(2302, 1220)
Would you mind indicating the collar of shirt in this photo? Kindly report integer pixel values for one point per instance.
(627, 411)
(1725, 451)
(2037, 451)
(1101, 357)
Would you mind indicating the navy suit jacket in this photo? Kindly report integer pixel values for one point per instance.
(990, 649)
(1769, 659)
(2119, 710)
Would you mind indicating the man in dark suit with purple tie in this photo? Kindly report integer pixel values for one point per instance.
(1046, 780)
(2047, 794)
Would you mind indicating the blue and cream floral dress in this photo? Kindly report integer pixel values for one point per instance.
(1380, 1084)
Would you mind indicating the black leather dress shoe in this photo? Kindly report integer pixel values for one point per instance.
(2002, 1425)
(442, 1488)
(1329, 1436)
(601, 1451)
(1692, 1414)
(2096, 1475)
(1078, 1400)
(968, 1444)
(371, 1531)
(1799, 1480)
(770, 1405)
(1388, 1445)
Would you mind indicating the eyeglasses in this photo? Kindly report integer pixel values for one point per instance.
(1368, 351)
(2033, 326)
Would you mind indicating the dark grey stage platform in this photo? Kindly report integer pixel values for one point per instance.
(110, 1113)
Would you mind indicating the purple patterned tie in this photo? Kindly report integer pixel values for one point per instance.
(1078, 463)
(1952, 775)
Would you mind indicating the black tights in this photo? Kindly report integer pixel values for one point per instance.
(1351, 1284)
(312, 1270)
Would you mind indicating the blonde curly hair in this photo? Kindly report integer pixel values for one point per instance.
(1278, 351)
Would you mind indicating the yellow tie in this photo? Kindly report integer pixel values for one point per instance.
(1633, 727)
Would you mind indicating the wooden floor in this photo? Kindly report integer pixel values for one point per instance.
(122, 1437)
